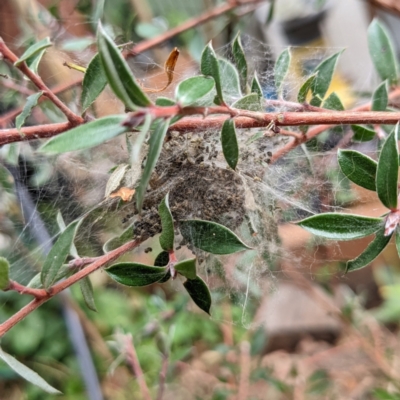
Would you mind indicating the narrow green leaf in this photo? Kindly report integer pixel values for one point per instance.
(86, 136)
(31, 102)
(94, 81)
(271, 12)
(380, 98)
(333, 103)
(27, 373)
(155, 145)
(135, 274)
(87, 293)
(34, 50)
(34, 61)
(362, 134)
(135, 148)
(370, 253)
(338, 226)
(325, 70)
(162, 260)
(209, 66)
(230, 82)
(115, 242)
(116, 178)
(249, 102)
(62, 226)
(305, 88)
(187, 268)
(358, 167)
(397, 237)
(387, 173)
(229, 143)
(167, 223)
(192, 89)
(281, 68)
(382, 52)
(256, 87)
(58, 254)
(4, 273)
(63, 272)
(164, 102)
(199, 293)
(211, 237)
(240, 60)
(119, 76)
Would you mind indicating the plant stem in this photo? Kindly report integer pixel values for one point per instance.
(191, 23)
(59, 287)
(38, 82)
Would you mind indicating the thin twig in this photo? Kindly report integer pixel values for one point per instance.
(191, 23)
(134, 363)
(59, 287)
(10, 84)
(73, 118)
(37, 293)
(163, 377)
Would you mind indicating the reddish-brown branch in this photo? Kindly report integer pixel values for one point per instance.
(37, 293)
(38, 82)
(10, 115)
(191, 23)
(10, 84)
(59, 287)
(33, 132)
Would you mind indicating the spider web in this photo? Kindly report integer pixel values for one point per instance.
(304, 182)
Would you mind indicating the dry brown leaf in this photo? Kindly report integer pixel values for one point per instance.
(125, 193)
(169, 68)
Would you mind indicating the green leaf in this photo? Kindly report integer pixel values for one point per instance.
(322, 81)
(31, 102)
(4, 273)
(229, 143)
(338, 226)
(135, 274)
(230, 82)
(118, 241)
(164, 102)
(167, 224)
(87, 293)
(140, 138)
(58, 254)
(333, 103)
(211, 237)
(382, 51)
(370, 253)
(94, 81)
(380, 98)
(271, 12)
(63, 272)
(88, 135)
(387, 173)
(62, 226)
(240, 60)
(119, 76)
(305, 88)
(397, 237)
(209, 66)
(6, 179)
(27, 373)
(362, 134)
(162, 260)
(249, 102)
(256, 87)
(256, 136)
(34, 61)
(383, 394)
(358, 167)
(192, 89)
(281, 68)
(33, 50)
(155, 145)
(199, 293)
(187, 268)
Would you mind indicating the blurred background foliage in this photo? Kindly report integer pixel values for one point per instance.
(353, 352)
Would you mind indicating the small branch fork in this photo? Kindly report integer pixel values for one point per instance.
(43, 295)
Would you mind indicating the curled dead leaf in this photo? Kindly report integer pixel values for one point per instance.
(169, 68)
(125, 193)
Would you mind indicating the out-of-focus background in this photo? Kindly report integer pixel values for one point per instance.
(296, 329)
